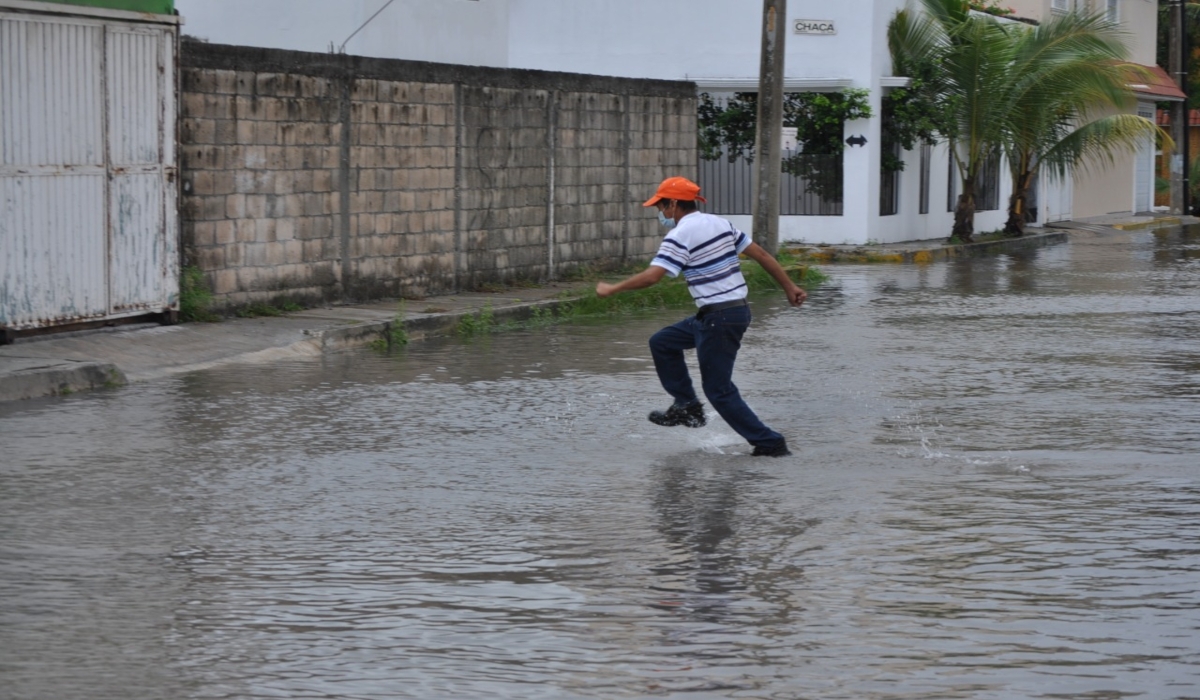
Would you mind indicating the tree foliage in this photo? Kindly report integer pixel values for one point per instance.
(728, 129)
(820, 122)
(990, 7)
(912, 116)
(1166, 18)
(1031, 93)
(966, 57)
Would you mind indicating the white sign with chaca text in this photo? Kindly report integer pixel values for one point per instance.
(814, 26)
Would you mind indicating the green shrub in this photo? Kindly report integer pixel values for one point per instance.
(276, 307)
(481, 323)
(670, 293)
(257, 309)
(195, 297)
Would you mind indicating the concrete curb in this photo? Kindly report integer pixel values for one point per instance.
(59, 379)
(1142, 225)
(418, 326)
(863, 254)
(301, 348)
(37, 373)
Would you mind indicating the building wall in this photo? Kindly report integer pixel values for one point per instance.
(446, 31)
(670, 39)
(1029, 9)
(691, 39)
(1138, 18)
(1100, 192)
(1105, 190)
(1108, 189)
(312, 176)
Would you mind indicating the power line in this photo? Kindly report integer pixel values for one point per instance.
(342, 48)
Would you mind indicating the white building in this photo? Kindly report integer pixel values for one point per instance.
(716, 44)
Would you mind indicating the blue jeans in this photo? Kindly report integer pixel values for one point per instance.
(716, 337)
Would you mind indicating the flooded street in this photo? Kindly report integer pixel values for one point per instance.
(994, 494)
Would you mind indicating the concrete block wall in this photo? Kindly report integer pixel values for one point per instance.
(506, 183)
(662, 139)
(260, 169)
(339, 178)
(591, 209)
(401, 230)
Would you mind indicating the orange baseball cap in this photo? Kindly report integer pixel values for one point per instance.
(676, 188)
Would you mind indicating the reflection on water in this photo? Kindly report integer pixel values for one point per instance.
(994, 496)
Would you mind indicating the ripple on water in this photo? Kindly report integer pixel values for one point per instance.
(992, 497)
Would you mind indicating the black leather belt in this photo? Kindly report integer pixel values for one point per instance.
(707, 309)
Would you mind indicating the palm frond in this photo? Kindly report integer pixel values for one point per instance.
(1098, 143)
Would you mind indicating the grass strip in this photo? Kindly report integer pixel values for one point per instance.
(673, 293)
(670, 293)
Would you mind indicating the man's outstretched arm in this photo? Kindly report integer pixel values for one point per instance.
(795, 294)
(646, 278)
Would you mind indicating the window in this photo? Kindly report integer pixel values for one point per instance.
(889, 182)
(926, 154)
(1060, 5)
(1112, 11)
(889, 193)
(952, 184)
(987, 184)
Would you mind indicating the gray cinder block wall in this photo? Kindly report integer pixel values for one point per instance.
(331, 177)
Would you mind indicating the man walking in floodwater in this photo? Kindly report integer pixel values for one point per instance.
(705, 249)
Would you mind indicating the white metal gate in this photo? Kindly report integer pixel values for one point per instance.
(88, 204)
(1055, 199)
(1143, 179)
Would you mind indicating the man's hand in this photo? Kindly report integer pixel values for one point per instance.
(796, 295)
(646, 278)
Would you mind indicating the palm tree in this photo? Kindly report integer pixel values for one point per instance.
(1065, 72)
(1029, 93)
(964, 60)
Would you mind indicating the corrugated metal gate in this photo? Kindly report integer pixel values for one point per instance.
(1143, 171)
(88, 201)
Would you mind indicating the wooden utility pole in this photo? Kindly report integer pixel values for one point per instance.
(769, 132)
(1185, 51)
(1179, 110)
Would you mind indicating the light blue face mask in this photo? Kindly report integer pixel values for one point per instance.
(662, 219)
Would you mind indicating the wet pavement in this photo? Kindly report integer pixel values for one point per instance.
(993, 495)
(65, 363)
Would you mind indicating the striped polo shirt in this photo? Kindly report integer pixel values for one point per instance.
(705, 249)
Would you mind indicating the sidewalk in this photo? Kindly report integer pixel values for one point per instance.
(937, 250)
(65, 363)
(60, 364)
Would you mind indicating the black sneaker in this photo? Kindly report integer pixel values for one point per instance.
(691, 416)
(777, 450)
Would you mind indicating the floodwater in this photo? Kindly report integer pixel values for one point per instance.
(995, 494)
